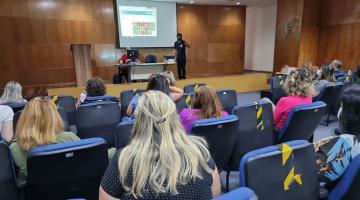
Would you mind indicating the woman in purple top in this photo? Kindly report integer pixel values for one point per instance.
(206, 105)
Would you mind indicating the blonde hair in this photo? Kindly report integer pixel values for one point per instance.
(298, 83)
(12, 93)
(39, 123)
(160, 153)
(170, 77)
(208, 103)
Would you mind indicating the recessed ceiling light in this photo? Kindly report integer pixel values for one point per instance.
(237, 3)
(191, 2)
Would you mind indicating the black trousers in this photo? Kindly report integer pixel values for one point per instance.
(181, 66)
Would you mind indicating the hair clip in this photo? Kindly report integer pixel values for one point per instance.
(161, 120)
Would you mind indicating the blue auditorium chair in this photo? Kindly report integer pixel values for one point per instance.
(68, 104)
(327, 95)
(348, 187)
(282, 172)
(98, 119)
(186, 101)
(256, 130)
(301, 122)
(8, 186)
(125, 98)
(220, 133)
(123, 134)
(99, 99)
(16, 106)
(242, 193)
(67, 170)
(190, 88)
(276, 90)
(228, 99)
(60, 110)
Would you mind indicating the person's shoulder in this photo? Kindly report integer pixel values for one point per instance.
(187, 111)
(5, 109)
(67, 136)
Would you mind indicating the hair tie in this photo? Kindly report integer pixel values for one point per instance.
(160, 121)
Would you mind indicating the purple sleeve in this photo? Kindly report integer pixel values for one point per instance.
(186, 119)
(224, 113)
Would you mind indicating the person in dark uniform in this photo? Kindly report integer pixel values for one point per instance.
(180, 55)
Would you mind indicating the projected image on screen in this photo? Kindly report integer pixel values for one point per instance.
(138, 21)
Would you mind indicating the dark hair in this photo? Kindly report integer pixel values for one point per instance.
(158, 82)
(179, 35)
(358, 71)
(327, 73)
(95, 87)
(350, 115)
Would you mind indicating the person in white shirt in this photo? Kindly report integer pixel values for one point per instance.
(6, 123)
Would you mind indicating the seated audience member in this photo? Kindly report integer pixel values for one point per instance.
(326, 79)
(94, 87)
(161, 161)
(6, 123)
(160, 83)
(312, 70)
(170, 77)
(336, 153)
(12, 94)
(299, 88)
(39, 124)
(206, 105)
(338, 72)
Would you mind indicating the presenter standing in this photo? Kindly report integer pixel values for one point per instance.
(180, 55)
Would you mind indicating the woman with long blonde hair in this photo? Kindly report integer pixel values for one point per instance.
(12, 93)
(39, 124)
(206, 105)
(161, 161)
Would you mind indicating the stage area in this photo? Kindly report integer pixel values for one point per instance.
(241, 83)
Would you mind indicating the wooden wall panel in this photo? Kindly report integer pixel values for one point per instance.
(339, 35)
(287, 43)
(218, 40)
(310, 30)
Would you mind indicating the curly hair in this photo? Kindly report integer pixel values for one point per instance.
(298, 83)
(95, 87)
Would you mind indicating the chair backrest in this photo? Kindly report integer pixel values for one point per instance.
(60, 110)
(190, 88)
(242, 193)
(150, 59)
(256, 130)
(286, 171)
(16, 106)
(186, 101)
(228, 99)
(68, 104)
(278, 81)
(327, 95)
(64, 118)
(125, 98)
(98, 120)
(67, 170)
(302, 121)
(338, 88)
(349, 184)
(123, 133)
(99, 99)
(9, 190)
(220, 133)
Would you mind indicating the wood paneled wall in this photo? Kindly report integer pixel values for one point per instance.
(36, 35)
(340, 32)
(299, 45)
(217, 36)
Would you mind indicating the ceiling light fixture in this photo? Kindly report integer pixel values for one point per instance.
(192, 2)
(237, 3)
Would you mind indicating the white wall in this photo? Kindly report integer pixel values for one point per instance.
(260, 38)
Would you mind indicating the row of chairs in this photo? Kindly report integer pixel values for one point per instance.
(74, 170)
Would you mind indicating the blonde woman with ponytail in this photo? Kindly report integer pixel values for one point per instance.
(161, 161)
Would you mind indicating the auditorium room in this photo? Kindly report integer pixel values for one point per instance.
(180, 99)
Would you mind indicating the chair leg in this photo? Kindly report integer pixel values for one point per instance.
(227, 181)
(328, 119)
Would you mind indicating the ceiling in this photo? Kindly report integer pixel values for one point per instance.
(249, 3)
